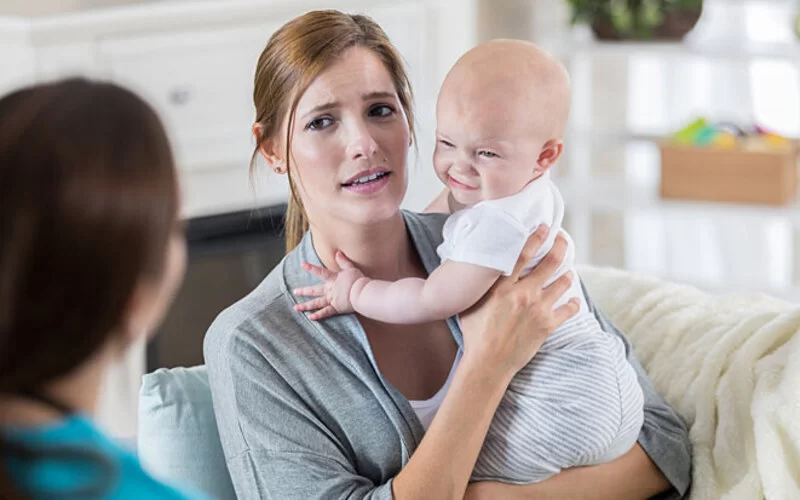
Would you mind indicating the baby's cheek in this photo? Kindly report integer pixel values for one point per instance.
(439, 162)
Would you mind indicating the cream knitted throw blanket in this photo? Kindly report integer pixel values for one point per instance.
(730, 365)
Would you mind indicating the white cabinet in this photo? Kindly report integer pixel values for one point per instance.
(202, 84)
(194, 62)
(67, 59)
(16, 57)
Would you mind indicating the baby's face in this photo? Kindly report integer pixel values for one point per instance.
(486, 146)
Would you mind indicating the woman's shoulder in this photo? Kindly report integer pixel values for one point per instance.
(425, 226)
(261, 310)
(426, 221)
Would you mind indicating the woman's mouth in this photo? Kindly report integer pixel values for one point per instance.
(368, 182)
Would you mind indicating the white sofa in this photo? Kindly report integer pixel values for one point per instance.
(730, 365)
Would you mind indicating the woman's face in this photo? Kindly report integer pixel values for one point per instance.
(350, 141)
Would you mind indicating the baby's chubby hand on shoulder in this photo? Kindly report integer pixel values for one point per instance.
(332, 297)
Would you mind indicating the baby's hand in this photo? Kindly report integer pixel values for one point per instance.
(333, 296)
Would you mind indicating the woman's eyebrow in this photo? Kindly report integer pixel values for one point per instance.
(322, 107)
(378, 95)
(327, 106)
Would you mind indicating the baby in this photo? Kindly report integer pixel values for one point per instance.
(501, 113)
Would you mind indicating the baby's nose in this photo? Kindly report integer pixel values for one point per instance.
(464, 167)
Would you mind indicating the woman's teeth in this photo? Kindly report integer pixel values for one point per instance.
(367, 178)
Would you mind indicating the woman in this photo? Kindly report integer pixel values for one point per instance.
(325, 409)
(91, 252)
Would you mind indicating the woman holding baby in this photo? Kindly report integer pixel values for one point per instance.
(351, 407)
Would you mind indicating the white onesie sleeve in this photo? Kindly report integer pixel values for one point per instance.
(483, 235)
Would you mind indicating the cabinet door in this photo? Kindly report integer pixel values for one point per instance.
(17, 66)
(201, 82)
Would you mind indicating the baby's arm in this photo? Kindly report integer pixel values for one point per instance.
(451, 288)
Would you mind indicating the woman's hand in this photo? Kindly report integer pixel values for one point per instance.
(633, 476)
(510, 323)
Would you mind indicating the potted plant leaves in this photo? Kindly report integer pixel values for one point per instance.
(637, 19)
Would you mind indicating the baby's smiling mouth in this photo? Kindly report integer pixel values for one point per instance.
(458, 184)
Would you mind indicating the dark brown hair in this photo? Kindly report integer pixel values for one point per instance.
(295, 54)
(88, 201)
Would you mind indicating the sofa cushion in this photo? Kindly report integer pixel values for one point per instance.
(178, 440)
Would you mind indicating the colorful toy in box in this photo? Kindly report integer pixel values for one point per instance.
(701, 133)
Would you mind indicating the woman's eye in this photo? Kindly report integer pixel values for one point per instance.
(319, 123)
(487, 154)
(381, 110)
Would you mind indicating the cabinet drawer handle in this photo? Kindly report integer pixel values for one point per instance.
(180, 96)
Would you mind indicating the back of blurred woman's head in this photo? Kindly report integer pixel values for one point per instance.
(88, 204)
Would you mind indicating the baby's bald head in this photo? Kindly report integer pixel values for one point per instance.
(500, 117)
(518, 80)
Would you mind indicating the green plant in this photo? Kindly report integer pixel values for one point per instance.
(630, 18)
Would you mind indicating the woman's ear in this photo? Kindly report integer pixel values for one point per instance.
(550, 154)
(267, 149)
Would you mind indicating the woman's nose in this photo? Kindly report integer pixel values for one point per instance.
(361, 142)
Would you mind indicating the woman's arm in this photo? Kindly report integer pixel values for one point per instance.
(632, 476)
(500, 337)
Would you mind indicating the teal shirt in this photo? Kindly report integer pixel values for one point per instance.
(117, 472)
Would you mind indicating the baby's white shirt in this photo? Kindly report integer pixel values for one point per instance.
(492, 233)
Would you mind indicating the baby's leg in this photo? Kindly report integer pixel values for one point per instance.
(577, 403)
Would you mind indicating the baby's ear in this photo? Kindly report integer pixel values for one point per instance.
(550, 154)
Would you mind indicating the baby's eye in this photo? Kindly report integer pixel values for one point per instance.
(488, 154)
(446, 143)
(381, 110)
(320, 123)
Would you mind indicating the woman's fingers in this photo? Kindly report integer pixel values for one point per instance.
(310, 291)
(325, 313)
(312, 305)
(556, 289)
(319, 272)
(549, 264)
(532, 246)
(568, 310)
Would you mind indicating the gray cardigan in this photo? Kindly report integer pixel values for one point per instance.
(303, 411)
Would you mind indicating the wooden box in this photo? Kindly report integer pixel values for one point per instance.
(729, 175)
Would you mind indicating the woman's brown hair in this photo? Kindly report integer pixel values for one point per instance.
(293, 57)
(88, 202)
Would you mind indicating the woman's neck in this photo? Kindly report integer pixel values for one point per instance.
(382, 251)
(78, 391)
